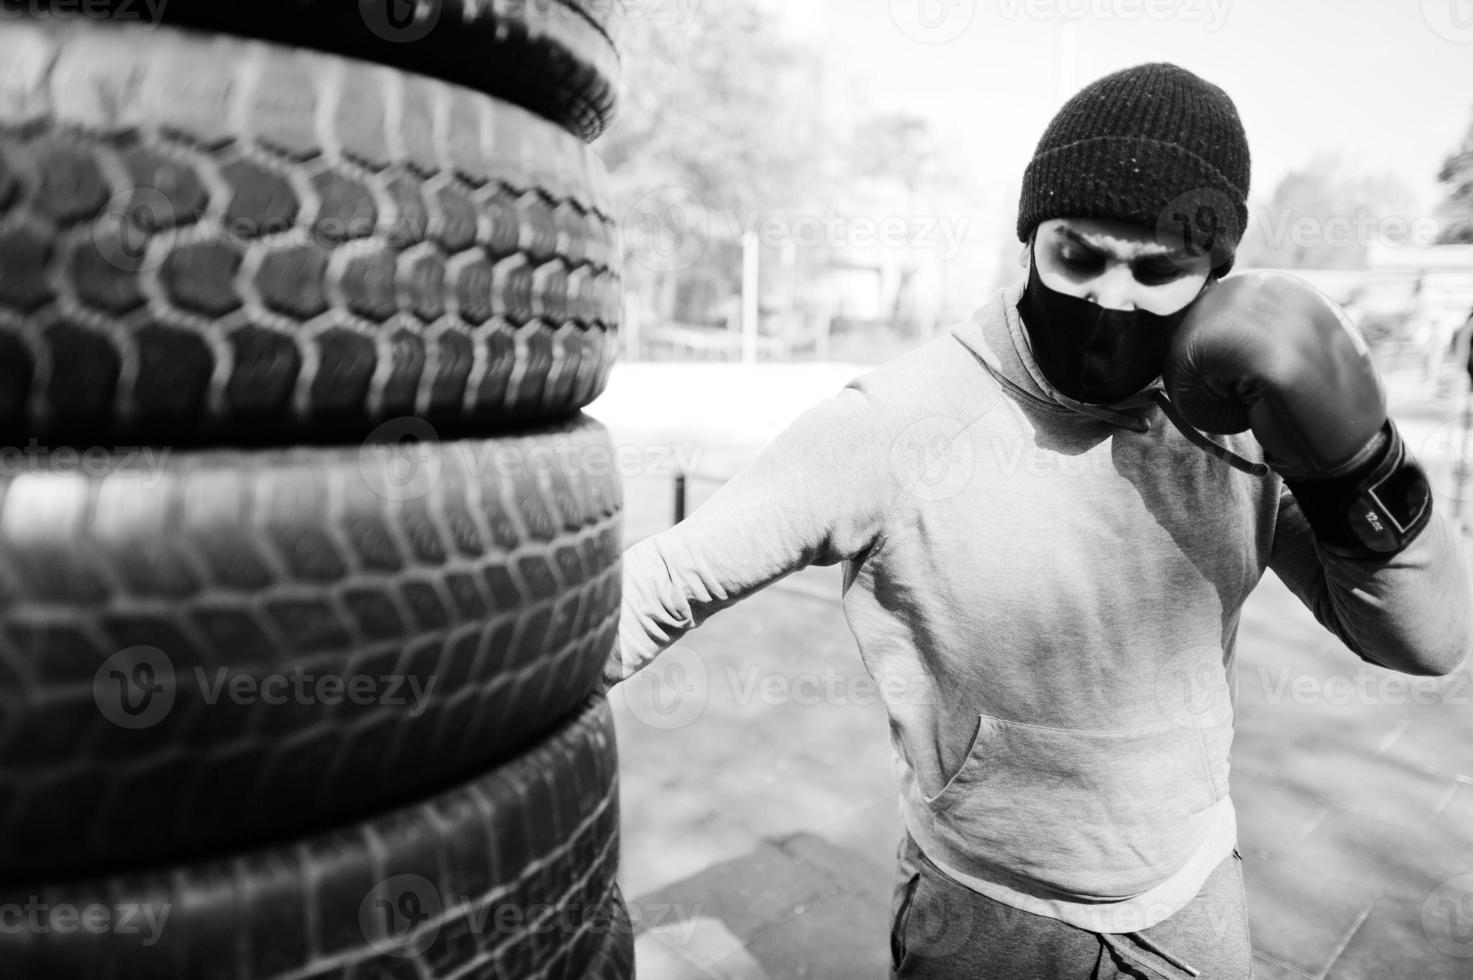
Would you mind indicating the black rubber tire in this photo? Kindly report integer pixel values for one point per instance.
(489, 576)
(511, 874)
(554, 57)
(615, 959)
(208, 239)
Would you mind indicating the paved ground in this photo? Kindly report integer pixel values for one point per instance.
(760, 823)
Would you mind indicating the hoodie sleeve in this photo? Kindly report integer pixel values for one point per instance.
(1412, 613)
(814, 496)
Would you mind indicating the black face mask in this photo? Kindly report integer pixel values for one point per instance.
(1092, 354)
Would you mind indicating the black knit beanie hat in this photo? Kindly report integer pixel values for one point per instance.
(1154, 145)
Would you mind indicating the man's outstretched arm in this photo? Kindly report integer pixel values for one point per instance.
(815, 496)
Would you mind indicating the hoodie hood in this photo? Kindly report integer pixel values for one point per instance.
(995, 335)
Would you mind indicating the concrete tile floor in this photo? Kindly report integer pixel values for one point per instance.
(760, 822)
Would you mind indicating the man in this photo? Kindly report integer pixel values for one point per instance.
(1044, 570)
(1464, 346)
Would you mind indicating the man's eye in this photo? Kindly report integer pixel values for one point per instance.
(1158, 275)
(1079, 261)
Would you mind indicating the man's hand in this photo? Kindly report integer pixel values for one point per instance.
(613, 672)
(1268, 352)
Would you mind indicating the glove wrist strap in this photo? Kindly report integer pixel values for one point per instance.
(1375, 509)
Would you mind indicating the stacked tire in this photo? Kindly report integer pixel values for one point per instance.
(309, 559)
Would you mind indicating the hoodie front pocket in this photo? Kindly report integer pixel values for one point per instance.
(1100, 815)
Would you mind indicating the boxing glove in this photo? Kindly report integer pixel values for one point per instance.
(1269, 352)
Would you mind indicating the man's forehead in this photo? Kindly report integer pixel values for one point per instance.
(1122, 239)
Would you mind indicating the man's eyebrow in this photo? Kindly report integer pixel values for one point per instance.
(1147, 254)
(1079, 239)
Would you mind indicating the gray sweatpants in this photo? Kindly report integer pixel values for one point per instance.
(941, 930)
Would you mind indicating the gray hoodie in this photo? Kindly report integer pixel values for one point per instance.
(1047, 595)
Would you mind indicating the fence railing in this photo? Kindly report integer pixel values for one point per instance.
(719, 344)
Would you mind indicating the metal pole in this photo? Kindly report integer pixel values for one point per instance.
(630, 326)
(1463, 467)
(679, 496)
(751, 251)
